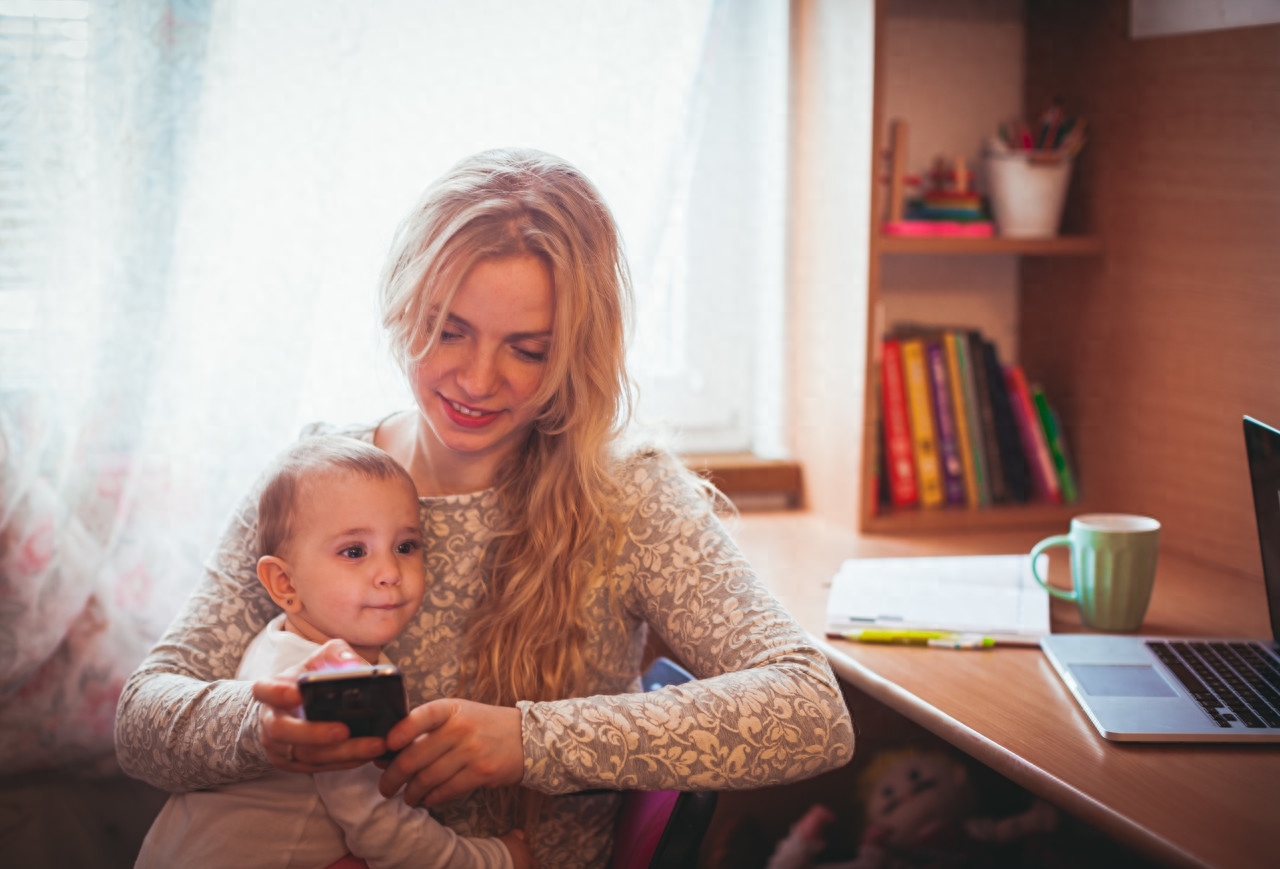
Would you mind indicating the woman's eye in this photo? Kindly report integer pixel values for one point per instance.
(531, 355)
(446, 335)
(353, 552)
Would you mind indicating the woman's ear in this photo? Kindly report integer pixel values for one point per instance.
(276, 577)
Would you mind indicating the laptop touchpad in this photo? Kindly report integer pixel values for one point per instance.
(1120, 680)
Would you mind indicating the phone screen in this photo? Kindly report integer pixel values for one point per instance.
(369, 700)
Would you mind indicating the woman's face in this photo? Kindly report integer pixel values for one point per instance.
(476, 387)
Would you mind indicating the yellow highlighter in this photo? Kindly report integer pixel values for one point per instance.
(907, 637)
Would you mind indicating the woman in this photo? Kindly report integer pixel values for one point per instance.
(551, 551)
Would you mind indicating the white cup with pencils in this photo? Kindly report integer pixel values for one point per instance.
(1028, 174)
(1027, 193)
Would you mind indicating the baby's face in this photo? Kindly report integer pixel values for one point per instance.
(356, 554)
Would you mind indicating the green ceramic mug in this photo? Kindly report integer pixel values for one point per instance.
(1113, 568)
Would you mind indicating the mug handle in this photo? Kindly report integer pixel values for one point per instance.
(1047, 543)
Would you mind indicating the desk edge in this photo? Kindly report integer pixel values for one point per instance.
(1003, 761)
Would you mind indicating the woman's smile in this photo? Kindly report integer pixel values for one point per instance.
(467, 416)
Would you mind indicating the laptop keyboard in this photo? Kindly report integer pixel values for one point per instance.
(1232, 682)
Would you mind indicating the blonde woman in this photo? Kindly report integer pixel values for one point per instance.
(552, 551)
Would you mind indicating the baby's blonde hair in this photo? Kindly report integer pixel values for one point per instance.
(308, 458)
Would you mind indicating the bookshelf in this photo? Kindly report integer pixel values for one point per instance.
(953, 71)
(1073, 245)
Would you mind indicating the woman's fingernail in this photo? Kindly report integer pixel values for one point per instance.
(347, 655)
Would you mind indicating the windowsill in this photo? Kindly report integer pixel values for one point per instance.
(750, 482)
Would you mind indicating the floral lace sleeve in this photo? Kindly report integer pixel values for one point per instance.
(766, 708)
(183, 722)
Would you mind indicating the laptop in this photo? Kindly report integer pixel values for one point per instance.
(1177, 689)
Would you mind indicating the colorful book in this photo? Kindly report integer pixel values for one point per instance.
(990, 444)
(881, 485)
(973, 415)
(899, 458)
(966, 430)
(954, 228)
(1013, 459)
(944, 415)
(1057, 444)
(915, 375)
(1044, 476)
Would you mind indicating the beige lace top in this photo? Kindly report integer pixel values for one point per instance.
(766, 708)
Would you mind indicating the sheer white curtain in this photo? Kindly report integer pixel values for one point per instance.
(197, 198)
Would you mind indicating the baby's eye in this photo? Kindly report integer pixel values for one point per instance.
(408, 547)
(356, 551)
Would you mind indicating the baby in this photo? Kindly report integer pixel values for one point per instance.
(340, 541)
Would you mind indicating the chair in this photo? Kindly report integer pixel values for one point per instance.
(662, 829)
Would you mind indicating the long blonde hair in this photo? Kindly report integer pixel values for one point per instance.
(560, 530)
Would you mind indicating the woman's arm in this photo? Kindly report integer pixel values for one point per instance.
(182, 722)
(766, 708)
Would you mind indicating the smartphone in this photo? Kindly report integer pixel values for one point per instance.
(368, 699)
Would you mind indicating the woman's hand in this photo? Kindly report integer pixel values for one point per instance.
(448, 748)
(295, 745)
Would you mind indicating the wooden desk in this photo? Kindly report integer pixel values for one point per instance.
(1182, 805)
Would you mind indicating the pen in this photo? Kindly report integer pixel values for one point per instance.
(962, 641)
(935, 639)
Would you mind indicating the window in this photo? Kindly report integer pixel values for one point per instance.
(197, 196)
(320, 122)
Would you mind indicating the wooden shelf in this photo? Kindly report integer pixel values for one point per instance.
(909, 74)
(1065, 245)
(957, 519)
(746, 478)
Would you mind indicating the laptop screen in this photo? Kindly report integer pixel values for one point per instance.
(1263, 445)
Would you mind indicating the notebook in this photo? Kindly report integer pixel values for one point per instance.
(1175, 689)
(992, 595)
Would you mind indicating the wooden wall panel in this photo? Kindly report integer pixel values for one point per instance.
(1156, 350)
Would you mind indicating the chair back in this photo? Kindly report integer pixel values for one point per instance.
(662, 829)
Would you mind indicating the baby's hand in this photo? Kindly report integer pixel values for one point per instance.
(296, 745)
(521, 856)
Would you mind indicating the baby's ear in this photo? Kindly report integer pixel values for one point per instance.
(276, 577)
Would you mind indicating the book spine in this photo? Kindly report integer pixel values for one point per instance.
(948, 444)
(961, 406)
(899, 457)
(1057, 444)
(1043, 475)
(1013, 459)
(923, 435)
(883, 501)
(972, 418)
(999, 493)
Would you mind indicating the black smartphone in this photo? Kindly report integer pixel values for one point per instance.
(368, 699)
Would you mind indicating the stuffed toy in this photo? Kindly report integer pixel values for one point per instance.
(919, 813)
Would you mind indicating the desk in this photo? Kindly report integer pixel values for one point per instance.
(1181, 805)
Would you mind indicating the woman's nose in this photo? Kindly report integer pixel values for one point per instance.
(478, 373)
